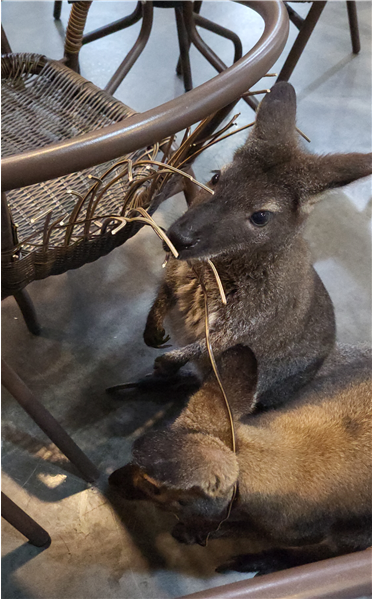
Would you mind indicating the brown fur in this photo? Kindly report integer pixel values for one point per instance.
(276, 302)
(304, 470)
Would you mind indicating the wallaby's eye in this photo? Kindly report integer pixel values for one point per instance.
(261, 218)
(216, 177)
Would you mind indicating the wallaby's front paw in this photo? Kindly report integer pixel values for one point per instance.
(166, 365)
(188, 536)
(155, 337)
(261, 563)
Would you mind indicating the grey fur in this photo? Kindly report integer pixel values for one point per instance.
(276, 302)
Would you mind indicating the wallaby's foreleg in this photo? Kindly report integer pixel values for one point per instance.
(172, 361)
(168, 364)
(154, 334)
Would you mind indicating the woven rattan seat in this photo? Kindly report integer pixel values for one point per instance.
(43, 102)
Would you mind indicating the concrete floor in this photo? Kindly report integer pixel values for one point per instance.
(103, 547)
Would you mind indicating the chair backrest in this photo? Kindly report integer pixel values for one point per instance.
(141, 130)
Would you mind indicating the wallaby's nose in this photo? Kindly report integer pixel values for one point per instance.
(181, 236)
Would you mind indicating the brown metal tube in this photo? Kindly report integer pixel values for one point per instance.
(184, 44)
(345, 577)
(219, 30)
(23, 522)
(302, 38)
(5, 46)
(57, 10)
(118, 25)
(28, 311)
(141, 130)
(47, 422)
(294, 17)
(353, 23)
(135, 52)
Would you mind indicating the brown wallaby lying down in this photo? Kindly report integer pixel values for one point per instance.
(252, 228)
(304, 471)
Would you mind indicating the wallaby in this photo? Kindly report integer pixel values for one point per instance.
(304, 470)
(252, 228)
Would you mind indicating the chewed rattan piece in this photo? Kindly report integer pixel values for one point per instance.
(62, 224)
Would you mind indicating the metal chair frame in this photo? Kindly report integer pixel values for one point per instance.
(26, 525)
(306, 27)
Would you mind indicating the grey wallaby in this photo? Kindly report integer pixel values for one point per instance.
(252, 228)
(303, 471)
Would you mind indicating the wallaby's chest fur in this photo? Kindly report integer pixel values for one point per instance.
(276, 306)
(257, 296)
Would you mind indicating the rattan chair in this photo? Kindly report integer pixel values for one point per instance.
(59, 209)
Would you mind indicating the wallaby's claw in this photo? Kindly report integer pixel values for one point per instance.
(155, 337)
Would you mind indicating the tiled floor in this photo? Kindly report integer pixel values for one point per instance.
(102, 547)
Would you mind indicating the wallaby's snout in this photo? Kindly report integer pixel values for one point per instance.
(194, 230)
(182, 236)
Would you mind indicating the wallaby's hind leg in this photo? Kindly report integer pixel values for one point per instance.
(154, 334)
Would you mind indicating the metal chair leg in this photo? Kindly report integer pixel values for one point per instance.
(23, 522)
(5, 46)
(223, 32)
(47, 422)
(204, 49)
(131, 19)
(353, 23)
(136, 51)
(28, 311)
(57, 10)
(301, 40)
(196, 10)
(184, 44)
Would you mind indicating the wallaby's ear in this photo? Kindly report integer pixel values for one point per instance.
(276, 116)
(319, 173)
(184, 460)
(335, 170)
